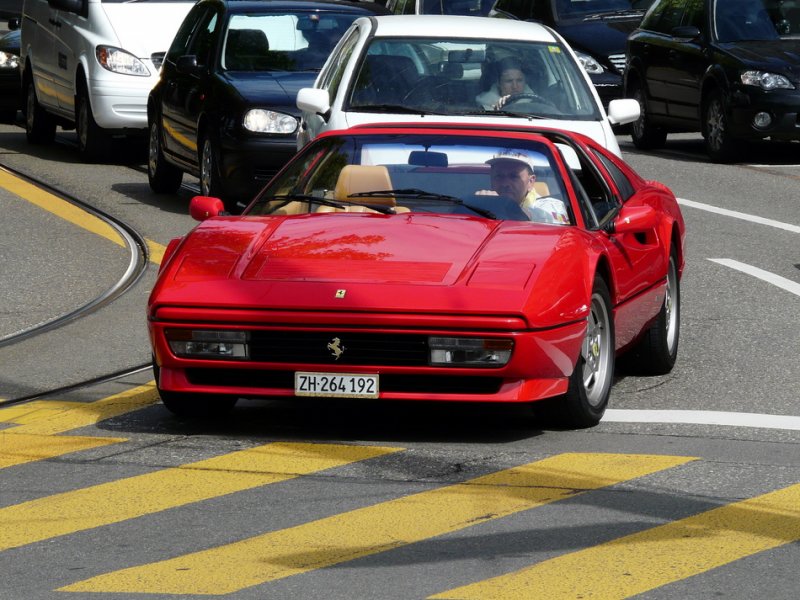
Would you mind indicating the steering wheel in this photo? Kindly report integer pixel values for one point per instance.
(527, 97)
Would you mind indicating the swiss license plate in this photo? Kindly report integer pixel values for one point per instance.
(341, 385)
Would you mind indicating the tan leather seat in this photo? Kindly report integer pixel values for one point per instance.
(356, 179)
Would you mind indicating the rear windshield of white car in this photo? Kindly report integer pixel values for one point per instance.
(464, 77)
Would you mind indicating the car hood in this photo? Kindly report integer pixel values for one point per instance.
(598, 130)
(9, 42)
(145, 28)
(600, 37)
(410, 262)
(781, 55)
(277, 88)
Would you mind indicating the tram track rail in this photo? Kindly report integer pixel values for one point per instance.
(138, 260)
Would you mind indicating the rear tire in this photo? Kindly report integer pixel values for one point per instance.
(164, 177)
(644, 134)
(40, 126)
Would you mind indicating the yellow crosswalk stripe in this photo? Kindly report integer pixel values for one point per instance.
(378, 528)
(650, 559)
(132, 497)
(35, 436)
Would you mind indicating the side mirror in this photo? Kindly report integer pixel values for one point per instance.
(13, 24)
(314, 100)
(686, 32)
(623, 110)
(634, 219)
(205, 207)
(186, 65)
(75, 6)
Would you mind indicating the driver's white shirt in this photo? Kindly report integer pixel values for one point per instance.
(489, 98)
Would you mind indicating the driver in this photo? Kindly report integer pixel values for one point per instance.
(512, 175)
(510, 81)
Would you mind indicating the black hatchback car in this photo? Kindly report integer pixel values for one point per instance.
(224, 107)
(727, 68)
(597, 30)
(10, 83)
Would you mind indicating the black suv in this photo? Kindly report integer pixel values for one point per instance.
(727, 68)
(596, 29)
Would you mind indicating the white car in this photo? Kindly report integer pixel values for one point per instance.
(90, 64)
(437, 68)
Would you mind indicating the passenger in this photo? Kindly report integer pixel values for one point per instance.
(513, 175)
(510, 80)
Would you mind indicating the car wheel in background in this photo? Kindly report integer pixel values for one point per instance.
(164, 178)
(657, 351)
(720, 144)
(93, 142)
(210, 178)
(590, 383)
(645, 135)
(40, 127)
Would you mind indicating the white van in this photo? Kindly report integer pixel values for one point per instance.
(90, 64)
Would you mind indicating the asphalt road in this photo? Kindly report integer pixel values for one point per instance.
(104, 494)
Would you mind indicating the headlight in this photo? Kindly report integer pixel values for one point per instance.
(197, 343)
(260, 120)
(766, 80)
(119, 61)
(8, 60)
(589, 64)
(469, 352)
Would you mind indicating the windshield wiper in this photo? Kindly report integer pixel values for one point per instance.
(386, 210)
(393, 108)
(504, 113)
(418, 194)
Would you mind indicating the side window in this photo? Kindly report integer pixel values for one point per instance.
(595, 198)
(694, 15)
(624, 186)
(180, 45)
(333, 78)
(663, 16)
(205, 40)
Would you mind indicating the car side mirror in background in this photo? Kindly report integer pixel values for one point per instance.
(205, 207)
(314, 100)
(75, 6)
(186, 64)
(686, 32)
(623, 110)
(13, 24)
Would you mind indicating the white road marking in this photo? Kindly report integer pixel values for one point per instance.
(739, 215)
(776, 280)
(704, 417)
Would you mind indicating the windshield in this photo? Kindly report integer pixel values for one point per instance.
(491, 177)
(755, 20)
(294, 41)
(462, 77)
(475, 8)
(578, 9)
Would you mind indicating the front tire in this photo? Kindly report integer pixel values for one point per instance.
(40, 126)
(93, 141)
(721, 146)
(164, 178)
(590, 383)
(194, 406)
(644, 134)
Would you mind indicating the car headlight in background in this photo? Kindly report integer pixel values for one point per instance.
(589, 64)
(8, 61)
(259, 120)
(202, 343)
(766, 80)
(119, 61)
(469, 352)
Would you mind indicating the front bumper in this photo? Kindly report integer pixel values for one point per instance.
(782, 105)
(249, 161)
(119, 102)
(539, 368)
(10, 86)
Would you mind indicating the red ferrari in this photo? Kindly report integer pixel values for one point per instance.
(441, 262)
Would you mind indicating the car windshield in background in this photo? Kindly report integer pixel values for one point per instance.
(408, 173)
(578, 9)
(754, 20)
(272, 41)
(456, 7)
(453, 77)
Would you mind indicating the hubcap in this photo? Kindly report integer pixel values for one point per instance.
(83, 120)
(596, 352)
(671, 307)
(638, 124)
(152, 154)
(30, 106)
(206, 164)
(716, 124)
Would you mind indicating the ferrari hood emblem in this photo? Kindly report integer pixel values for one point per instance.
(340, 293)
(336, 348)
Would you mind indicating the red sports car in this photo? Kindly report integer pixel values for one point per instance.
(441, 262)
